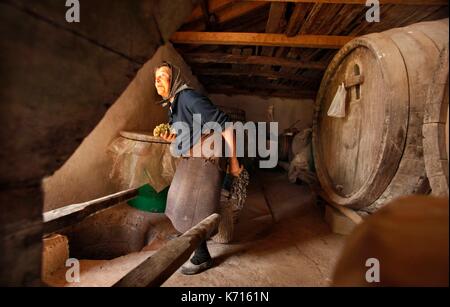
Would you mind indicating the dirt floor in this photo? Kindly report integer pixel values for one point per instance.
(281, 239)
(289, 245)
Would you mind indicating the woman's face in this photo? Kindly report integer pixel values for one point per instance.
(162, 81)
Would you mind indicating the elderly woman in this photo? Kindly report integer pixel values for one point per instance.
(195, 190)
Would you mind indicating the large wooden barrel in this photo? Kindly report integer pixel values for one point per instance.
(435, 129)
(375, 153)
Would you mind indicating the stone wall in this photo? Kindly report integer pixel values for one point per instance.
(58, 80)
(85, 176)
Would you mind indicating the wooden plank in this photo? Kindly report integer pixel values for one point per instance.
(275, 24)
(309, 22)
(297, 19)
(157, 268)
(225, 58)
(237, 83)
(435, 128)
(254, 22)
(353, 81)
(246, 52)
(363, 2)
(213, 6)
(260, 39)
(329, 17)
(206, 15)
(60, 218)
(237, 10)
(236, 51)
(227, 14)
(251, 73)
(264, 92)
(346, 17)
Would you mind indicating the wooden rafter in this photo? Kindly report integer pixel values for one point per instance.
(296, 20)
(291, 93)
(302, 35)
(260, 39)
(363, 2)
(251, 73)
(206, 15)
(254, 23)
(238, 9)
(224, 13)
(276, 17)
(257, 85)
(213, 6)
(225, 58)
(310, 18)
(275, 24)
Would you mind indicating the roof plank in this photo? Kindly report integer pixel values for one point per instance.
(260, 39)
(226, 58)
(276, 17)
(251, 73)
(297, 18)
(275, 24)
(363, 2)
(291, 93)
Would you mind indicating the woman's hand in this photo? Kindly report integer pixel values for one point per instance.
(168, 137)
(235, 168)
(230, 141)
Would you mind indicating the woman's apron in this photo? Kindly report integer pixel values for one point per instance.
(194, 193)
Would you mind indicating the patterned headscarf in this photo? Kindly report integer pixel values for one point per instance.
(177, 83)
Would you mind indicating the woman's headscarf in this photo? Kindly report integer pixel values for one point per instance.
(177, 83)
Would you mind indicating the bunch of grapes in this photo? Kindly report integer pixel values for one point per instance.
(162, 129)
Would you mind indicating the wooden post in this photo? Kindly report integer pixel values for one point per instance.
(60, 218)
(156, 269)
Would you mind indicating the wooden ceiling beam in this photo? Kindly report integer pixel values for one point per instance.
(260, 39)
(252, 84)
(206, 15)
(227, 13)
(252, 73)
(310, 19)
(292, 93)
(226, 58)
(296, 20)
(275, 24)
(213, 7)
(363, 2)
(237, 10)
